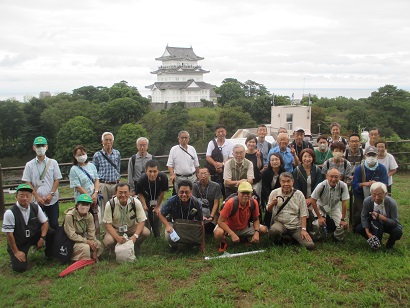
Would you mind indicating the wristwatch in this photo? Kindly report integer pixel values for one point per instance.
(343, 219)
(258, 231)
(43, 237)
(52, 193)
(303, 229)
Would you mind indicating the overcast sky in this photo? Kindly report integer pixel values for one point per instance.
(299, 45)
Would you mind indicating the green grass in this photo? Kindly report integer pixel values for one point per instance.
(342, 274)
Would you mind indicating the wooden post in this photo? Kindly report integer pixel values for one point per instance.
(1, 194)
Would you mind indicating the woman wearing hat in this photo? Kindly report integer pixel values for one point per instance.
(79, 227)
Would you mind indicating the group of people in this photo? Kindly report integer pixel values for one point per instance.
(287, 190)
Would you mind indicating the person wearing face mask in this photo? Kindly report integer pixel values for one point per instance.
(365, 175)
(83, 175)
(387, 160)
(338, 161)
(43, 175)
(79, 227)
(323, 151)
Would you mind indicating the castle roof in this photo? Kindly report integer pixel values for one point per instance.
(179, 53)
(181, 69)
(191, 84)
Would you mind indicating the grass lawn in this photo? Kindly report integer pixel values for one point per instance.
(342, 274)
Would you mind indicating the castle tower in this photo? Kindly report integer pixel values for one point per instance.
(180, 79)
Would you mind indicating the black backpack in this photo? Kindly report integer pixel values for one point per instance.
(112, 204)
(236, 205)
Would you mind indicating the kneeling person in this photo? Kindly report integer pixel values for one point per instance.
(80, 228)
(241, 220)
(124, 215)
(183, 207)
(329, 200)
(26, 225)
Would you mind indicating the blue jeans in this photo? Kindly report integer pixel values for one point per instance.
(52, 211)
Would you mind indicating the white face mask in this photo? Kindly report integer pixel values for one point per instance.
(371, 160)
(323, 147)
(41, 151)
(337, 155)
(81, 159)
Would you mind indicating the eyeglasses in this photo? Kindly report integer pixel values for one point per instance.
(183, 137)
(184, 192)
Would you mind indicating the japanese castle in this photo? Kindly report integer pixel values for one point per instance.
(180, 79)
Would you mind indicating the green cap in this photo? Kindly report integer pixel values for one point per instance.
(40, 140)
(245, 187)
(85, 198)
(24, 187)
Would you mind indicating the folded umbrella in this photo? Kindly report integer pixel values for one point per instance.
(75, 266)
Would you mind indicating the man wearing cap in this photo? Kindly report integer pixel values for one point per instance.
(238, 221)
(369, 172)
(289, 156)
(124, 214)
(136, 163)
(80, 228)
(289, 213)
(108, 162)
(183, 163)
(26, 225)
(43, 175)
(298, 143)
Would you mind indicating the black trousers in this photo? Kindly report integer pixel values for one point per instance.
(22, 266)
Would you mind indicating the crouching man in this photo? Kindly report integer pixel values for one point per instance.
(329, 200)
(379, 216)
(289, 213)
(186, 225)
(26, 225)
(239, 218)
(124, 215)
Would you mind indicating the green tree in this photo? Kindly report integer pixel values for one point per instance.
(78, 130)
(261, 109)
(394, 105)
(229, 91)
(254, 89)
(281, 100)
(127, 136)
(55, 116)
(124, 110)
(234, 118)
(11, 121)
(318, 117)
(123, 90)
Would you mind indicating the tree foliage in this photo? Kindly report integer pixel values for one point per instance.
(234, 118)
(126, 137)
(78, 130)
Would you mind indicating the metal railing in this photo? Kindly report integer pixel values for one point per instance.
(403, 160)
(13, 183)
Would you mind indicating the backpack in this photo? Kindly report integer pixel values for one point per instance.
(63, 247)
(323, 190)
(236, 205)
(112, 204)
(361, 154)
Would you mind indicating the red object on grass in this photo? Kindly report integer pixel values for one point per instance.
(75, 266)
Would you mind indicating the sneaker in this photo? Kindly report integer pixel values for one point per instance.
(222, 246)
